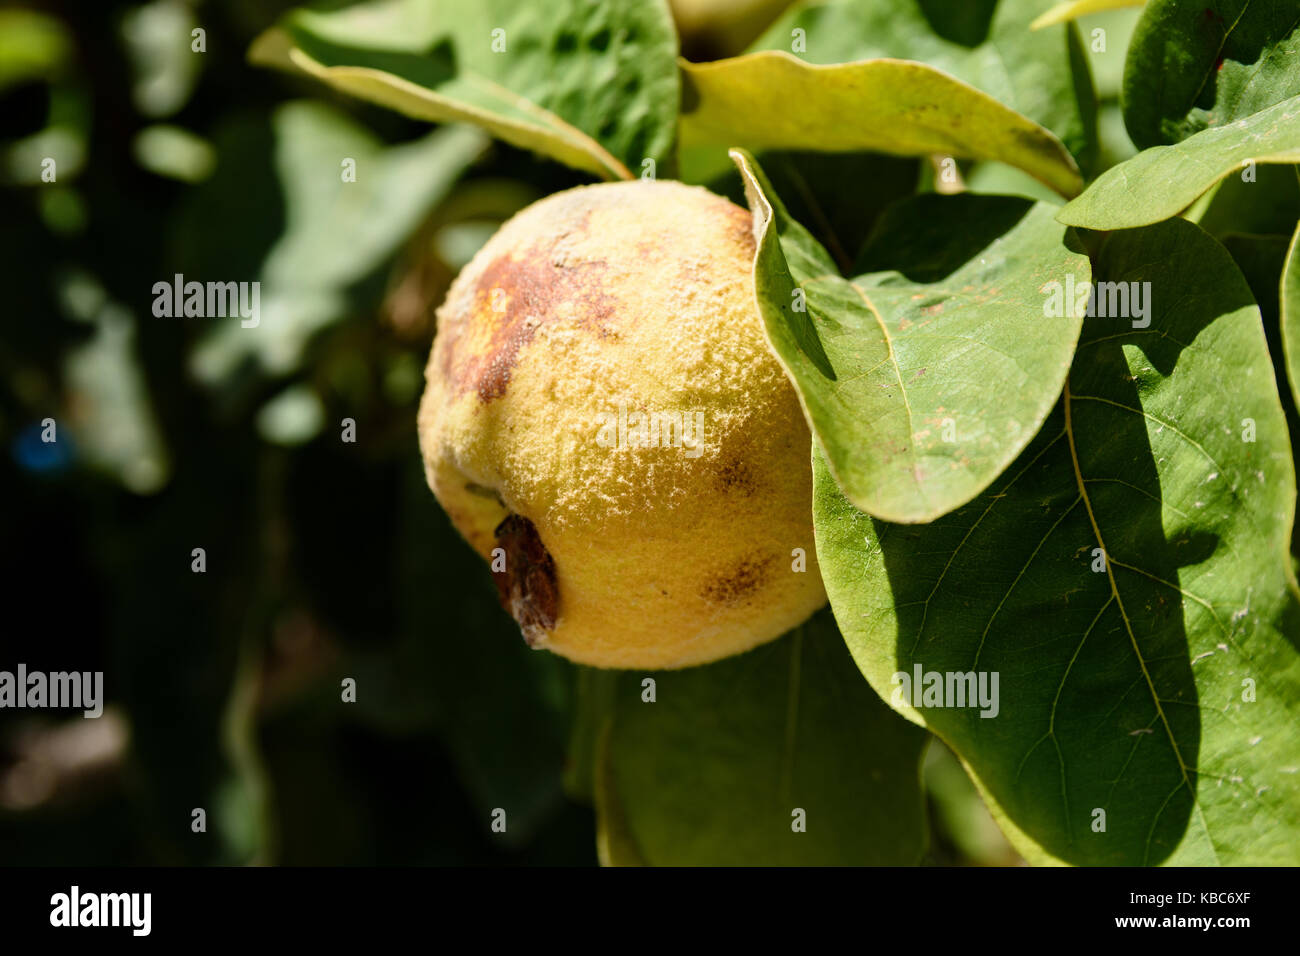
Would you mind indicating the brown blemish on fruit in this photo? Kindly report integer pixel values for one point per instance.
(513, 298)
(740, 583)
(735, 477)
(527, 587)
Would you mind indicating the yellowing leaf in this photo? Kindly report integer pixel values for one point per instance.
(1065, 12)
(772, 100)
(591, 84)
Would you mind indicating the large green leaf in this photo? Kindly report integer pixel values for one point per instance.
(987, 44)
(1163, 181)
(894, 367)
(1161, 686)
(591, 83)
(1289, 314)
(712, 771)
(1196, 66)
(772, 100)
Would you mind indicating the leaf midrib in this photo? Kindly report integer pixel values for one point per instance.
(907, 402)
(1119, 603)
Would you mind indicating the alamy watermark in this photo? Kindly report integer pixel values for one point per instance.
(662, 429)
(75, 908)
(208, 300)
(1124, 300)
(924, 688)
(78, 690)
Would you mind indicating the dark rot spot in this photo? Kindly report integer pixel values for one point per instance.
(740, 583)
(514, 297)
(527, 586)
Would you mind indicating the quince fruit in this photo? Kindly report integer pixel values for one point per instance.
(605, 423)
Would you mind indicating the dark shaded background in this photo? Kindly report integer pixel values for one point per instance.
(325, 559)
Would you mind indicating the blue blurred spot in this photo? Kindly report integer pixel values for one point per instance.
(32, 454)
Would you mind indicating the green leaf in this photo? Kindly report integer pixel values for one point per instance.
(1162, 688)
(1161, 182)
(336, 233)
(987, 44)
(894, 367)
(615, 844)
(840, 196)
(111, 411)
(593, 698)
(999, 179)
(966, 831)
(772, 100)
(591, 84)
(1073, 9)
(1266, 204)
(1262, 259)
(1289, 313)
(712, 771)
(1196, 66)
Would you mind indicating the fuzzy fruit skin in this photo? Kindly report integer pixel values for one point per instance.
(641, 294)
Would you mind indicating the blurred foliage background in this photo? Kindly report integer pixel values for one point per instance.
(325, 559)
